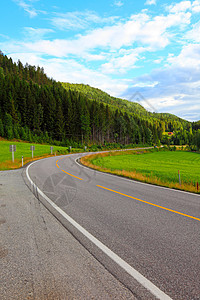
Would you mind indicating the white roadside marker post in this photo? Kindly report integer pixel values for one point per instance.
(32, 149)
(179, 176)
(13, 149)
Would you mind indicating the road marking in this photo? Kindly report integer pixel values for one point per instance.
(146, 202)
(165, 208)
(118, 260)
(65, 171)
(132, 180)
(57, 164)
(71, 175)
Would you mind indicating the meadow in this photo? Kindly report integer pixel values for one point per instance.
(23, 149)
(157, 167)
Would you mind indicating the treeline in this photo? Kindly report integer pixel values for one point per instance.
(33, 105)
(184, 132)
(95, 93)
(36, 108)
(169, 122)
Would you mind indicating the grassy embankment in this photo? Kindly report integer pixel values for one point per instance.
(41, 151)
(23, 148)
(156, 167)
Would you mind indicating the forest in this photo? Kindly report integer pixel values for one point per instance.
(36, 108)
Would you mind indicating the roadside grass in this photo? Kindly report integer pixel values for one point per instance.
(23, 148)
(150, 166)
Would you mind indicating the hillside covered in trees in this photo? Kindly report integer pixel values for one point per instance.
(171, 122)
(36, 108)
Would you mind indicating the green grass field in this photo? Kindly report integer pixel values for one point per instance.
(163, 165)
(23, 148)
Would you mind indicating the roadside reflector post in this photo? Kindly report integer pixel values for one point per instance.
(32, 149)
(179, 176)
(12, 149)
(85, 148)
(22, 161)
(70, 148)
(51, 148)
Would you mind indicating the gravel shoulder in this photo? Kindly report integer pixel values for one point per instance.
(39, 258)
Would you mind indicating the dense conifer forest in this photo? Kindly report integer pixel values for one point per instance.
(36, 108)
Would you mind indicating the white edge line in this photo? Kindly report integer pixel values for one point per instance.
(135, 181)
(130, 270)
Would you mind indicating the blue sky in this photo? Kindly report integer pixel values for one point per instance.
(120, 46)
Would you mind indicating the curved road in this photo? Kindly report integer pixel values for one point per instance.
(152, 231)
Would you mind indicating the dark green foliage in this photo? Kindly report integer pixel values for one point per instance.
(23, 134)
(196, 139)
(1, 128)
(38, 109)
(170, 121)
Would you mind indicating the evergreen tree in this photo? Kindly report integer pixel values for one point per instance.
(8, 126)
(1, 129)
(37, 104)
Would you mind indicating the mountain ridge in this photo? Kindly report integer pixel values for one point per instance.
(36, 108)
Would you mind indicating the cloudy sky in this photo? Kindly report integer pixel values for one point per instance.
(131, 49)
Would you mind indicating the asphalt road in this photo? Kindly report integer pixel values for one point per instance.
(154, 230)
(39, 258)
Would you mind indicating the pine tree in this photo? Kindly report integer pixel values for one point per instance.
(8, 126)
(59, 122)
(85, 123)
(1, 129)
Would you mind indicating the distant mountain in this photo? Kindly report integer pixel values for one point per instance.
(96, 94)
(123, 105)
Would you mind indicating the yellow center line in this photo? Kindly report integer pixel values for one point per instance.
(168, 209)
(72, 175)
(146, 202)
(57, 164)
(65, 171)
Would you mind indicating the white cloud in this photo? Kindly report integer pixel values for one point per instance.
(123, 63)
(196, 6)
(150, 33)
(150, 2)
(183, 6)
(167, 101)
(27, 7)
(79, 20)
(36, 33)
(94, 57)
(118, 3)
(179, 7)
(139, 28)
(158, 61)
(4, 36)
(177, 88)
(194, 33)
(188, 58)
